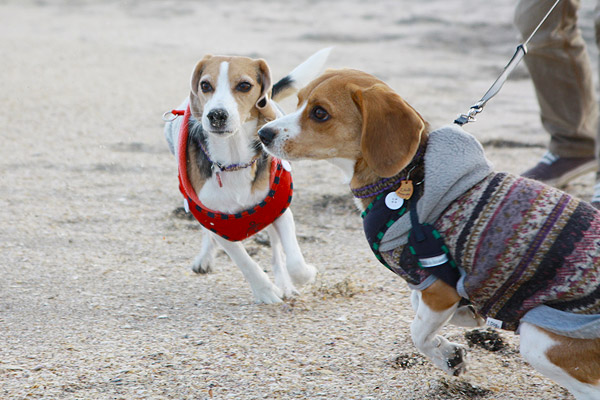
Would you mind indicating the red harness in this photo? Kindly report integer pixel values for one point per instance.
(235, 227)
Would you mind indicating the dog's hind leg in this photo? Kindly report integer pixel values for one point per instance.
(263, 289)
(572, 363)
(434, 308)
(205, 260)
(282, 277)
(300, 272)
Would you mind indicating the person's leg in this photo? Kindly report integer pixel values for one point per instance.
(560, 69)
(596, 196)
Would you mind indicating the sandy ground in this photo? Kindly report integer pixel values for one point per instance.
(96, 297)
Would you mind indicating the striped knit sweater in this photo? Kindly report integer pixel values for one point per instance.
(519, 243)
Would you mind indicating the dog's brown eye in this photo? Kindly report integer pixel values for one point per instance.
(319, 114)
(206, 87)
(244, 87)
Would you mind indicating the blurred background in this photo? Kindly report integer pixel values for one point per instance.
(96, 296)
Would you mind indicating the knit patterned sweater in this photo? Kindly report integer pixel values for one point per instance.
(519, 244)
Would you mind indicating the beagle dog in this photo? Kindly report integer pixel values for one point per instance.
(476, 246)
(230, 185)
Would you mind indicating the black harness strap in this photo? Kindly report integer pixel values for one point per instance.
(432, 254)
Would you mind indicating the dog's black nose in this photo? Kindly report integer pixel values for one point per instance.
(267, 135)
(217, 118)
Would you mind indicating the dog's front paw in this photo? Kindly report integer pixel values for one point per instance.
(457, 363)
(302, 274)
(455, 357)
(203, 264)
(286, 286)
(268, 294)
(449, 357)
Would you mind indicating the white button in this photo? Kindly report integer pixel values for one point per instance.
(186, 205)
(286, 165)
(393, 201)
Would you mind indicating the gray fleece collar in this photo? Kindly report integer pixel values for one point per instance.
(454, 162)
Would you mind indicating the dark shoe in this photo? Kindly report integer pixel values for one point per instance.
(558, 171)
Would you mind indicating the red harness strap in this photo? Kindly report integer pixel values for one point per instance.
(235, 227)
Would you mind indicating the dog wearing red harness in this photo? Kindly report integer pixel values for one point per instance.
(231, 186)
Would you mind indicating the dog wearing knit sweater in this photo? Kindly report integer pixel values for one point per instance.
(525, 255)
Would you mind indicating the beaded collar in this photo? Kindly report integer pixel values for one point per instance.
(385, 184)
(225, 168)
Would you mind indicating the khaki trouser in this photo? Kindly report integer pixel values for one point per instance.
(561, 73)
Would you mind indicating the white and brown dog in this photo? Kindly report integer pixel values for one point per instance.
(229, 184)
(527, 256)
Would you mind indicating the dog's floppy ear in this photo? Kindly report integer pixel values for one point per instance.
(195, 82)
(391, 129)
(263, 104)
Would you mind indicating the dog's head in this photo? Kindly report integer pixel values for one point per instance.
(227, 92)
(352, 115)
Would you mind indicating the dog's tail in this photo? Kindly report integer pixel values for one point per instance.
(301, 75)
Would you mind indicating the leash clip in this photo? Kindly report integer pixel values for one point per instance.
(470, 115)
